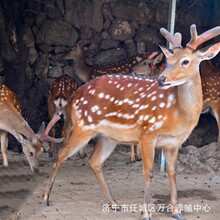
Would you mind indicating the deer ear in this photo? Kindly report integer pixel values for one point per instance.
(209, 52)
(80, 44)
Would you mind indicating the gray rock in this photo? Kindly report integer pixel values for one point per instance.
(108, 44)
(122, 30)
(32, 55)
(28, 37)
(57, 32)
(55, 71)
(110, 56)
(79, 13)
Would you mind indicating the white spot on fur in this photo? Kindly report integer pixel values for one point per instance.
(162, 104)
(170, 100)
(152, 120)
(99, 112)
(101, 95)
(90, 119)
(153, 98)
(94, 108)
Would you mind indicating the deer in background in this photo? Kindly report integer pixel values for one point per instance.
(210, 76)
(60, 94)
(11, 121)
(149, 112)
(86, 73)
(147, 67)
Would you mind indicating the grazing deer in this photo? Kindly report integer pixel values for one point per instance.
(151, 113)
(60, 94)
(86, 73)
(11, 121)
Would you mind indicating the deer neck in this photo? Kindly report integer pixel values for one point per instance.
(82, 70)
(14, 123)
(190, 98)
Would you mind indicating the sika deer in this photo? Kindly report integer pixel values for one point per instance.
(61, 93)
(11, 121)
(151, 113)
(210, 76)
(147, 67)
(86, 73)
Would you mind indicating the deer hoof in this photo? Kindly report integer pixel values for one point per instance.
(47, 203)
(46, 200)
(178, 216)
(138, 159)
(115, 206)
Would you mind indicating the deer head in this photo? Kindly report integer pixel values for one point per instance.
(12, 122)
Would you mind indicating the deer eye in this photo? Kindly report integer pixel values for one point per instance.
(185, 62)
(31, 154)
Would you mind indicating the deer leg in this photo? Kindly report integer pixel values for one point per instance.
(148, 153)
(4, 146)
(77, 140)
(216, 112)
(103, 149)
(132, 153)
(138, 153)
(82, 153)
(51, 149)
(171, 154)
(51, 111)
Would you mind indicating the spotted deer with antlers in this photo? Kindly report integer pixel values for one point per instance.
(60, 95)
(11, 121)
(129, 66)
(210, 78)
(149, 112)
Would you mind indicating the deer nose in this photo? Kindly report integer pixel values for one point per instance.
(161, 80)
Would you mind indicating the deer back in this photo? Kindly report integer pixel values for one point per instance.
(62, 91)
(123, 67)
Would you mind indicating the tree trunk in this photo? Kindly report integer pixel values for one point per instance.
(14, 52)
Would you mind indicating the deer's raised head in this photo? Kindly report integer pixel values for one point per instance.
(12, 121)
(75, 53)
(61, 93)
(183, 64)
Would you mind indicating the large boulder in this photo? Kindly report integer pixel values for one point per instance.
(57, 32)
(122, 30)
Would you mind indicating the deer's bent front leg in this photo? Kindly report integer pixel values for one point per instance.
(77, 140)
(147, 146)
(171, 154)
(101, 152)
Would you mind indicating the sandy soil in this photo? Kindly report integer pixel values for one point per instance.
(77, 196)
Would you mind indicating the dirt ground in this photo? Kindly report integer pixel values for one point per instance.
(77, 196)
